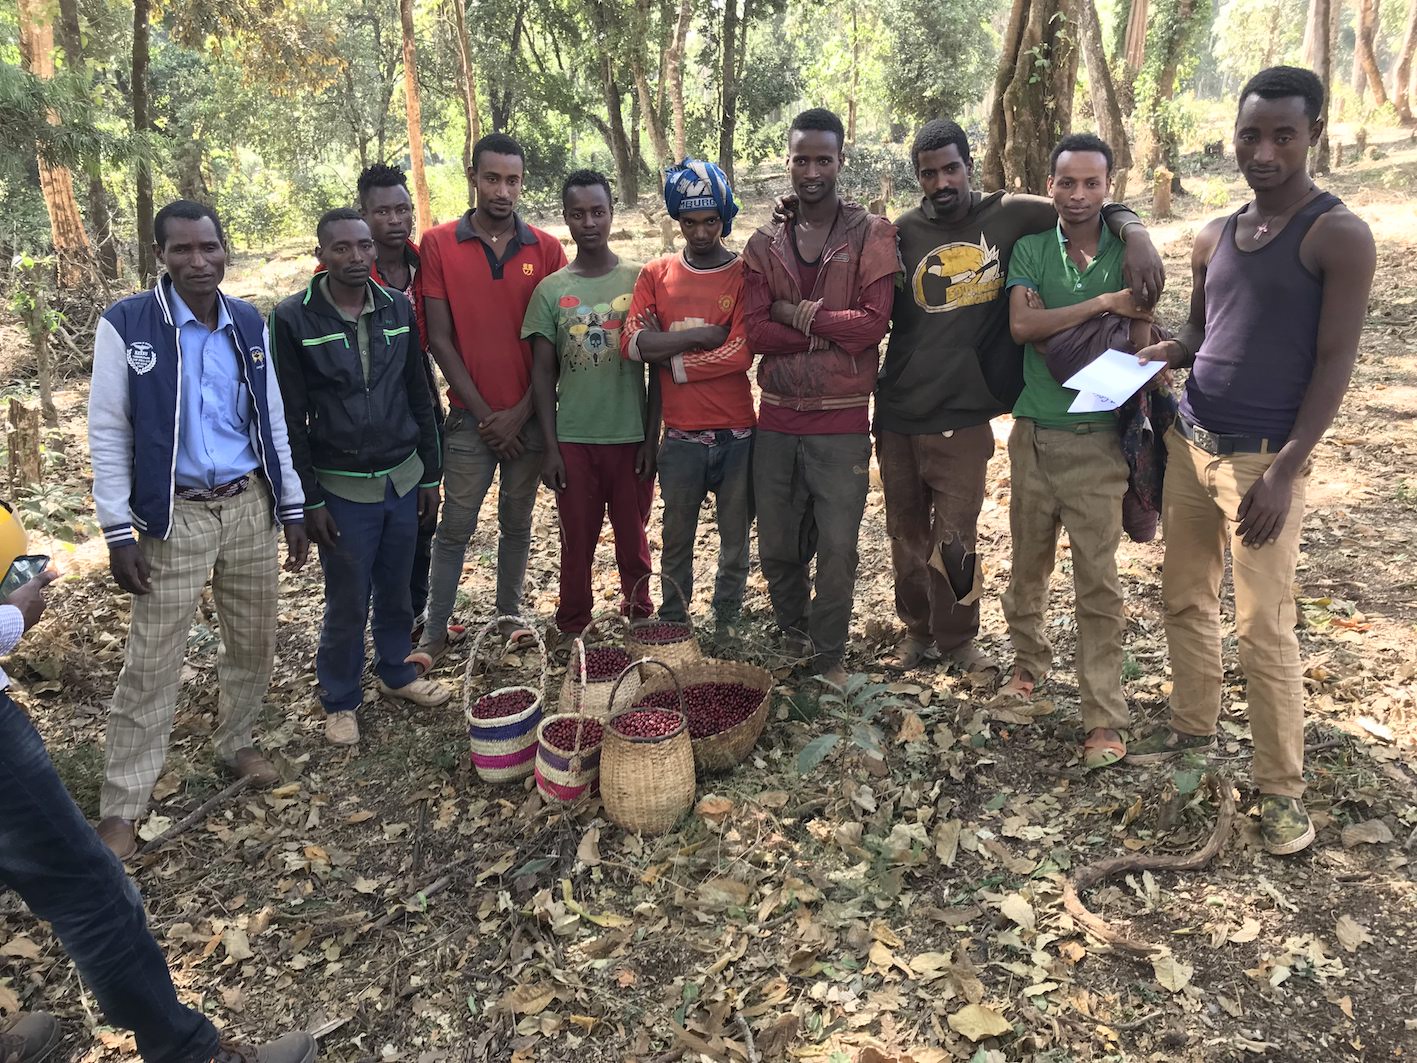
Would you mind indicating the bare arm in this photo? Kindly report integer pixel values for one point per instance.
(1029, 324)
(544, 368)
(1180, 352)
(445, 353)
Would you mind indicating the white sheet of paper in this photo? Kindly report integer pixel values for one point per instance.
(1113, 376)
(1091, 402)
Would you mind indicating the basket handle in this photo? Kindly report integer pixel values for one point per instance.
(472, 657)
(611, 714)
(578, 690)
(688, 618)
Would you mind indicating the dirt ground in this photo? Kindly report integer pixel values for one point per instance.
(899, 908)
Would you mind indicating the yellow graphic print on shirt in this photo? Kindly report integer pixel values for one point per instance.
(594, 331)
(957, 275)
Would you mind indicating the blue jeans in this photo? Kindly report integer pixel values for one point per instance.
(52, 858)
(687, 473)
(374, 558)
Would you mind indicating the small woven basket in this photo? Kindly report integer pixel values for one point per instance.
(504, 747)
(567, 774)
(676, 654)
(726, 749)
(647, 784)
(590, 696)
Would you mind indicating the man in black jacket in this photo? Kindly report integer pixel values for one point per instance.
(364, 439)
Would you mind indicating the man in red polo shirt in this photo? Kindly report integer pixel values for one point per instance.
(477, 276)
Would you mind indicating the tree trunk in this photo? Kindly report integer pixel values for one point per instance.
(657, 136)
(855, 78)
(1323, 66)
(1364, 55)
(143, 200)
(1104, 97)
(467, 85)
(1134, 46)
(1163, 140)
(56, 184)
(675, 70)
(1402, 67)
(1030, 111)
(414, 110)
(100, 217)
(728, 85)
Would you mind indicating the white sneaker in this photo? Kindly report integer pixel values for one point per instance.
(426, 692)
(341, 729)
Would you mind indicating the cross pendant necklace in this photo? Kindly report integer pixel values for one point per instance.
(1262, 229)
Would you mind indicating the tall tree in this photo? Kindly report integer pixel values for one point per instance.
(644, 96)
(1402, 67)
(1174, 25)
(728, 86)
(56, 183)
(100, 217)
(855, 88)
(1364, 55)
(1032, 100)
(1322, 17)
(414, 109)
(143, 200)
(674, 69)
(467, 85)
(1104, 98)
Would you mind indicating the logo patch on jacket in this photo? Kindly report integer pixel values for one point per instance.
(258, 357)
(141, 357)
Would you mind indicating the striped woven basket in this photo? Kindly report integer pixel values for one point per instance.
(504, 747)
(677, 653)
(568, 774)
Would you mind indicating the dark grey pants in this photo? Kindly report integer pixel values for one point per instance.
(810, 493)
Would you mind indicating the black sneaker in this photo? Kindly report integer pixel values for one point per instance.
(31, 1038)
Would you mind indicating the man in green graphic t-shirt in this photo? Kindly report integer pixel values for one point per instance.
(601, 429)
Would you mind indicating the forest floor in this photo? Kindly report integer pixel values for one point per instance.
(904, 908)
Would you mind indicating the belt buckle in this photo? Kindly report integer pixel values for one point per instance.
(1205, 439)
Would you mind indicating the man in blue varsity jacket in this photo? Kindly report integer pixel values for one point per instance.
(192, 475)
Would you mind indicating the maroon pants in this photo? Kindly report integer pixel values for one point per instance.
(601, 476)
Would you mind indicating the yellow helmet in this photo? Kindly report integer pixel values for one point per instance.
(13, 542)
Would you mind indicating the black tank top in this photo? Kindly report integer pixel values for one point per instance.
(1261, 331)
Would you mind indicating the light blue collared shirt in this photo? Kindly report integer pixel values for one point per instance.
(12, 626)
(214, 445)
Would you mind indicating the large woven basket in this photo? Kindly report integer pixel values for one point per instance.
(646, 784)
(590, 696)
(675, 654)
(504, 747)
(727, 749)
(567, 774)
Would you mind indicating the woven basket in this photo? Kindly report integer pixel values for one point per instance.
(727, 749)
(646, 784)
(504, 747)
(590, 696)
(675, 654)
(566, 774)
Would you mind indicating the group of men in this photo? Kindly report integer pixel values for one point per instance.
(209, 429)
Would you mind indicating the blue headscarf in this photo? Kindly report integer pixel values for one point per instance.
(697, 185)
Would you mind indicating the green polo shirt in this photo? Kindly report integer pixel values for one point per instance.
(1041, 262)
(358, 486)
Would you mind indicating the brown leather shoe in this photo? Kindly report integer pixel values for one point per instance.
(30, 1038)
(117, 833)
(292, 1048)
(250, 764)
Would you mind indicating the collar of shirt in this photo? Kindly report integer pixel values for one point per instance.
(325, 291)
(1072, 267)
(522, 236)
(182, 313)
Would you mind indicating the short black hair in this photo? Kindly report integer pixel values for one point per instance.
(586, 179)
(820, 119)
(936, 134)
(380, 175)
(187, 210)
(1278, 82)
(497, 144)
(1080, 142)
(331, 216)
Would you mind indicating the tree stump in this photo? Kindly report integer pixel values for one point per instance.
(22, 443)
(1337, 155)
(666, 234)
(1161, 193)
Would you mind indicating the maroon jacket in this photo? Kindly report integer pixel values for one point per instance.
(859, 250)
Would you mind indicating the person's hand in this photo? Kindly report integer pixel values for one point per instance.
(707, 337)
(784, 312)
(1168, 351)
(130, 568)
(1033, 299)
(428, 502)
(321, 528)
(645, 460)
(784, 208)
(297, 544)
(1124, 304)
(553, 469)
(29, 599)
(500, 430)
(1142, 267)
(1264, 508)
(1161, 381)
(649, 322)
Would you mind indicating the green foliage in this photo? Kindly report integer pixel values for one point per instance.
(1249, 35)
(855, 707)
(941, 56)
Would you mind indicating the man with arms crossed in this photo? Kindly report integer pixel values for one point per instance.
(1280, 293)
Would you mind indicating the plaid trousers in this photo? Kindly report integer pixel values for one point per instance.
(231, 542)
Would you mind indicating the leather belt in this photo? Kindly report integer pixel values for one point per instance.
(1220, 445)
(214, 494)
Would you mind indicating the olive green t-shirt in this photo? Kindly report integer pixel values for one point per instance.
(600, 396)
(1041, 262)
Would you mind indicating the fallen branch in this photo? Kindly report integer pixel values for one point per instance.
(196, 816)
(747, 1031)
(1093, 874)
